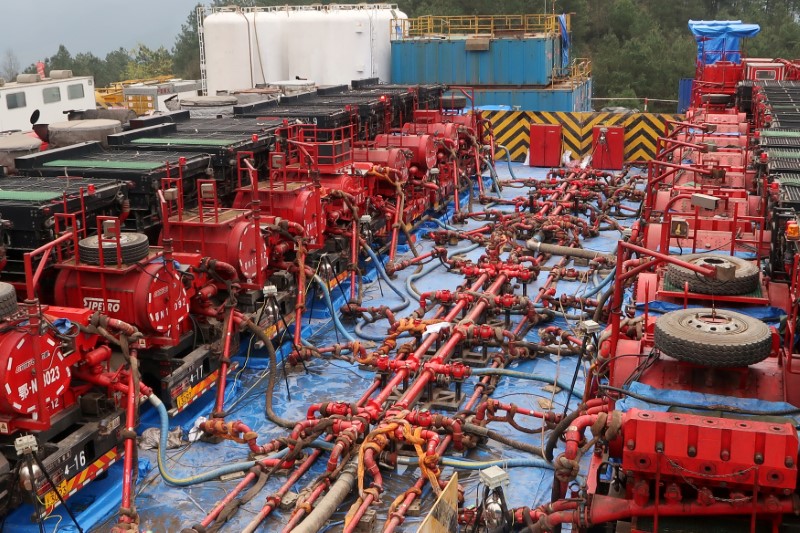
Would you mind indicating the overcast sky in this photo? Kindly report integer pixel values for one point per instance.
(33, 29)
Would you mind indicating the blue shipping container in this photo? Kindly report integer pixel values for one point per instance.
(566, 97)
(518, 62)
(685, 94)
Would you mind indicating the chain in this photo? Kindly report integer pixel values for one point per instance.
(681, 470)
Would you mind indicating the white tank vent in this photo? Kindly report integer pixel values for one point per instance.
(28, 78)
(60, 74)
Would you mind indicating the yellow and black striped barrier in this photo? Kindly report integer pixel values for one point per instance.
(512, 130)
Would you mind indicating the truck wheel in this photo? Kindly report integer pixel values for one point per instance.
(712, 338)
(717, 98)
(745, 280)
(8, 300)
(134, 247)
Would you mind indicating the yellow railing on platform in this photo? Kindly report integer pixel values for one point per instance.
(484, 25)
(581, 67)
(578, 70)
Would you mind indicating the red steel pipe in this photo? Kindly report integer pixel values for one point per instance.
(131, 416)
(419, 384)
(397, 518)
(605, 509)
(227, 336)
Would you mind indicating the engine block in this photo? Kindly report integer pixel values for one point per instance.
(710, 452)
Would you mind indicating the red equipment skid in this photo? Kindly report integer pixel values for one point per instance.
(710, 220)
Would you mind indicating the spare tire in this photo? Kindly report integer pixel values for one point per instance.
(8, 300)
(746, 275)
(454, 101)
(134, 247)
(716, 98)
(716, 338)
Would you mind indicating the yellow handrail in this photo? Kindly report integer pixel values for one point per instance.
(491, 25)
(579, 70)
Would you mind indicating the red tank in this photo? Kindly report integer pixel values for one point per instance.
(352, 184)
(234, 239)
(146, 294)
(422, 147)
(21, 388)
(296, 202)
(445, 130)
(394, 158)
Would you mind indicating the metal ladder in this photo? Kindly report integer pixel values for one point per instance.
(201, 12)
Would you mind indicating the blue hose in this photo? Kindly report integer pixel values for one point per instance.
(331, 526)
(523, 375)
(495, 177)
(536, 462)
(427, 270)
(441, 224)
(602, 285)
(395, 308)
(379, 267)
(198, 478)
(334, 314)
(508, 160)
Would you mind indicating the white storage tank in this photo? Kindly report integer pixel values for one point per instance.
(330, 44)
(306, 44)
(227, 47)
(337, 44)
(269, 50)
(352, 46)
(386, 27)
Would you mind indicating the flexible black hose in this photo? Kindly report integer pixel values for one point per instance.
(498, 437)
(560, 428)
(601, 302)
(273, 371)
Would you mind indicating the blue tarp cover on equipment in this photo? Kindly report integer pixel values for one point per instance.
(565, 41)
(718, 40)
(706, 403)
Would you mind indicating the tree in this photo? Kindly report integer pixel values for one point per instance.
(9, 67)
(147, 63)
(61, 60)
(115, 65)
(638, 48)
(88, 63)
(186, 51)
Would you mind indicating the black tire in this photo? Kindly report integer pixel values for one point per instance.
(8, 300)
(454, 102)
(718, 338)
(717, 98)
(746, 275)
(134, 247)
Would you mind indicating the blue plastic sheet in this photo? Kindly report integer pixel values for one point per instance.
(665, 397)
(325, 380)
(677, 250)
(166, 508)
(62, 325)
(765, 313)
(90, 505)
(718, 40)
(565, 40)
